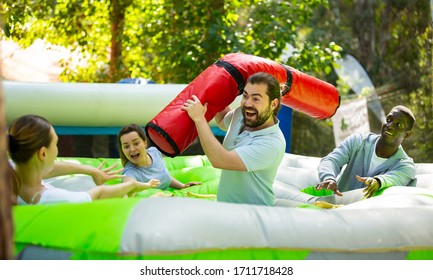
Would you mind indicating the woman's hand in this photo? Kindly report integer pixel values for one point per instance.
(153, 183)
(189, 184)
(101, 176)
(140, 186)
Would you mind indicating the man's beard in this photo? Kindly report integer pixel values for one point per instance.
(261, 118)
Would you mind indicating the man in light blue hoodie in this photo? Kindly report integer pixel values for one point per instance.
(372, 162)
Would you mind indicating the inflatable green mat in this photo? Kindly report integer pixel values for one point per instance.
(395, 225)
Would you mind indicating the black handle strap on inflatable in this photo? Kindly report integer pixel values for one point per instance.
(289, 81)
(237, 76)
(167, 137)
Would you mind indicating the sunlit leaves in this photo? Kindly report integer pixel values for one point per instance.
(168, 41)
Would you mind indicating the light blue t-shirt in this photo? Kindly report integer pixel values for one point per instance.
(157, 170)
(261, 151)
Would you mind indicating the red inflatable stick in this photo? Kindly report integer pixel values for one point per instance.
(311, 96)
(172, 130)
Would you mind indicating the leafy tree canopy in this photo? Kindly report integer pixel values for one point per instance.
(168, 41)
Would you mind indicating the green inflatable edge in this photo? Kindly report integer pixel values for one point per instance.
(75, 227)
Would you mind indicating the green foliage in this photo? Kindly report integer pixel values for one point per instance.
(315, 59)
(178, 41)
(168, 41)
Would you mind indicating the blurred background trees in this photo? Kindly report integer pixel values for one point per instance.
(392, 39)
(173, 41)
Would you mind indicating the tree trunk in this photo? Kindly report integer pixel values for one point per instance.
(117, 16)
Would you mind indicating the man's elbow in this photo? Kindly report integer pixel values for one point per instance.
(217, 164)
